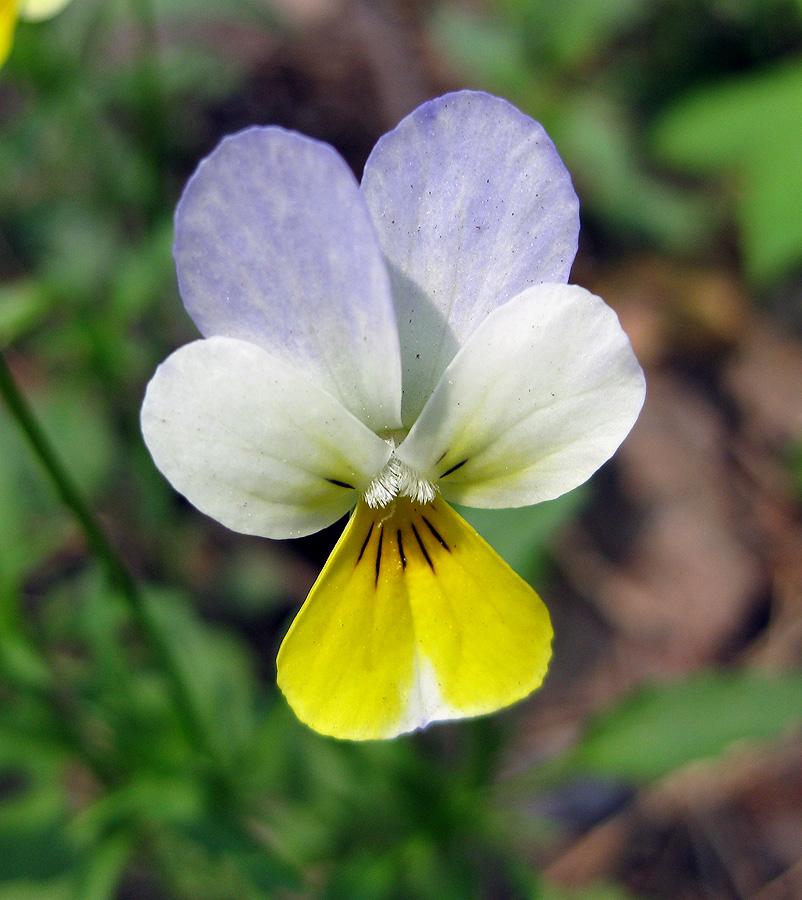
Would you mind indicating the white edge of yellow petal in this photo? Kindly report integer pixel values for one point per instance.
(425, 703)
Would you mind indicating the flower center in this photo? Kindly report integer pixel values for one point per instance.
(397, 479)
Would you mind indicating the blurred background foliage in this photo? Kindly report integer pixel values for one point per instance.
(144, 750)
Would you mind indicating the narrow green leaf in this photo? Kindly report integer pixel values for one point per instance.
(23, 305)
(146, 798)
(102, 868)
(224, 849)
(660, 728)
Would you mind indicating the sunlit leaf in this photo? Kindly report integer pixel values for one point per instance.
(600, 142)
(749, 127)
(663, 727)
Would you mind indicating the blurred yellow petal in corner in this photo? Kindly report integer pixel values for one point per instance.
(414, 619)
(30, 11)
(8, 21)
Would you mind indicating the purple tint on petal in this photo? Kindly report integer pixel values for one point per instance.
(472, 204)
(274, 245)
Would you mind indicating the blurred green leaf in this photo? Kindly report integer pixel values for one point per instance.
(749, 126)
(20, 661)
(145, 799)
(598, 134)
(35, 855)
(32, 520)
(101, 622)
(72, 420)
(140, 275)
(77, 428)
(31, 743)
(216, 669)
(482, 45)
(22, 528)
(78, 243)
(793, 459)
(211, 859)
(521, 536)
(660, 728)
(181, 9)
(23, 305)
(220, 839)
(53, 889)
(572, 32)
(590, 892)
(600, 143)
(100, 871)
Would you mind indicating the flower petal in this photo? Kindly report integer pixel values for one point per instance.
(274, 245)
(540, 396)
(472, 204)
(413, 619)
(38, 10)
(253, 443)
(8, 24)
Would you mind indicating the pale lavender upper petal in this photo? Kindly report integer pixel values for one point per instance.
(473, 205)
(274, 245)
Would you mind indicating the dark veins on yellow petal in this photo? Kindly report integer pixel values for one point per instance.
(411, 534)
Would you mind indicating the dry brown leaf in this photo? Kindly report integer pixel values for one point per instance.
(691, 575)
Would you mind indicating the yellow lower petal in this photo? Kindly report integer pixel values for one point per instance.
(414, 618)
(8, 22)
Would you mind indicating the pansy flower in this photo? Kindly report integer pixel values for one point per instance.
(392, 346)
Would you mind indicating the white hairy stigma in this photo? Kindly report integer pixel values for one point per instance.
(397, 479)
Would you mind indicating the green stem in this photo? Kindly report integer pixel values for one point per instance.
(116, 572)
(151, 98)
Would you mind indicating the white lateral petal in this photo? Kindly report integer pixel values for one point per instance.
(38, 10)
(539, 397)
(254, 443)
(472, 204)
(274, 245)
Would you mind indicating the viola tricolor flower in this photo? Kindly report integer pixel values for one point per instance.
(392, 346)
